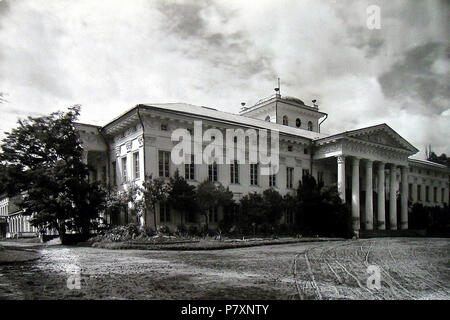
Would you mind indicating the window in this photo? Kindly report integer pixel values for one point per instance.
(136, 167)
(163, 158)
(289, 216)
(310, 126)
(298, 123)
(305, 151)
(289, 177)
(319, 176)
(212, 172)
(163, 127)
(268, 118)
(305, 172)
(213, 215)
(191, 217)
(289, 148)
(103, 177)
(410, 192)
(285, 120)
(419, 192)
(114, 173)
(442, 194)
(435, 194)
(164, 213)
(189, 169)
(191, 131)
(254, 174)
(234, 172)
(427, 194)
(272, 180)
(124, 169)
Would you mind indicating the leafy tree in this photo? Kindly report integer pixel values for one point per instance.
(120, 201)
(320, 209)
(251, 212)
(209, 196)
(273, 206)
(154, 191)
(442, 159)
(182, 195)
(43, 160)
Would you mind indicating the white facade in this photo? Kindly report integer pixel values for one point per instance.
(364, 163)
(16, 225)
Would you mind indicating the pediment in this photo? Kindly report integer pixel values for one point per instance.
(380, 138)
(382, 135)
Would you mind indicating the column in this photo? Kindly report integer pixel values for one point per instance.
(393, 198)
(404, 213)
(355, 195)
(341, 177)
(369, 196)
(381, 220)
(414, 193)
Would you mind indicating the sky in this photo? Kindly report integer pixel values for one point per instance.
(111, 55)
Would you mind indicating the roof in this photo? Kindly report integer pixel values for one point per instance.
(208, 113)
(427, 163)
(382, 126)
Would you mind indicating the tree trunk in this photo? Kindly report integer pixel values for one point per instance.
(154, 217)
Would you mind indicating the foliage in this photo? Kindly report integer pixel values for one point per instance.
(154, 191)
(123, 233)
(182, 195)
(42, 159)
(209, 195)
(442, 159)
(435, 220)
(119, 201)
(320, 210)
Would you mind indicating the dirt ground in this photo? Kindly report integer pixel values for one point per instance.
(409, 269)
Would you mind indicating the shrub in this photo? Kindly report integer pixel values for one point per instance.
(193, 231)
(181, 230)
(164, 230)
(435, 220)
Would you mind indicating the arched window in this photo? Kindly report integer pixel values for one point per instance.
(298, 122)
(285, 120)
(268, 118)
(310, 126)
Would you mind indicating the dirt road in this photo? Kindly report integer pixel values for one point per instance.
(409, 269)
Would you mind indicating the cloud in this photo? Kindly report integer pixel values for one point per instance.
(110, 55)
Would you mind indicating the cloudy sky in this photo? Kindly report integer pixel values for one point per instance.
(110, 55)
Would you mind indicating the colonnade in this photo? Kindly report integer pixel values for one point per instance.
(380, 174)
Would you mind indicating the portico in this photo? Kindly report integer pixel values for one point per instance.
(369, 155)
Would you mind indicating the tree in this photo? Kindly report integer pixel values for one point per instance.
(442, 159)
(42, 159)
(182, 195)
(209, 196)
(320, 209)
(119, 201)
(272, 206)
(154, 191)
(250, 212)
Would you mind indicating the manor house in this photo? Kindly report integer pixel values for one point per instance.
(372, 167)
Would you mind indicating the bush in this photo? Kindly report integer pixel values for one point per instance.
(181, 230)
(193, 231)
(435, 220)
(121, 233)
(164, 230)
